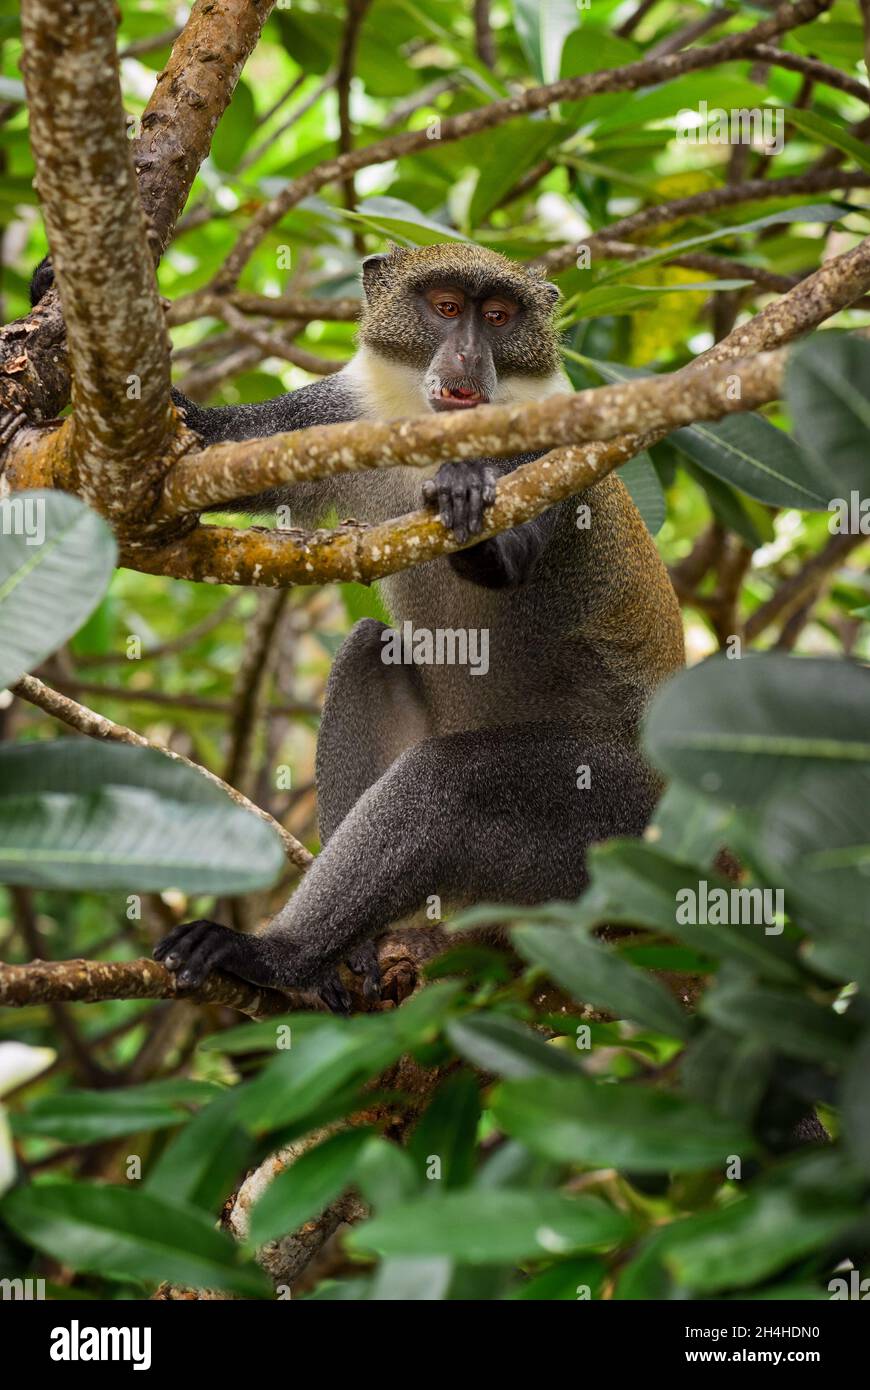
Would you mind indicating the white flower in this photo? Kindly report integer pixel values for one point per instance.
(18, 1063)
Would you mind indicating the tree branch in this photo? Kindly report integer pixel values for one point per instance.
(178, 123)
(225, 472)
(117, 340)
(91, 982)
(696, 204)
(189, 99)
(794, 592)
(87, 721)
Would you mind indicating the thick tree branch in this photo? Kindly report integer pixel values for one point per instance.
(224, 472)
(90, 982)
(402, 955)
(189, 98)
(117, 340)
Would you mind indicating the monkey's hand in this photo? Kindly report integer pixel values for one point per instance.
(461, 491)
(194, 950)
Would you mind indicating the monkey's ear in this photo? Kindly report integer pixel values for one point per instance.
(553, 293)
(375, 269)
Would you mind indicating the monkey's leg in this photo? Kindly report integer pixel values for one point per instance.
(501, 814)
(372, 712)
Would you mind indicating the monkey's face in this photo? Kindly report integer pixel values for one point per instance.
(464, 317)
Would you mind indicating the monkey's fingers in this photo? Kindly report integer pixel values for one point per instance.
(193, 950)
(364, 962)
(165, 949)
(334, 995)
(490, 484)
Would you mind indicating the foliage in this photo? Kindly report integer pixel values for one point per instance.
(609, 1144)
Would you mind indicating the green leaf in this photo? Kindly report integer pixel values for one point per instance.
(817, 842)
(412, 1280)
(744, 450)
(199, 1164)
(88, 1117)
(494, 1042)
(595, 974)
(448, 1132)
(603, 300)
(855, 1103)
(614, 1126)
(565, 1281)
(515, 149)
(492, 1226)
(642, 481)
(751, 454)
(309, 1184)
(635, 884)
(122, 1231)
(811, 212)
(385, 1174)
(748, 730)
(234, 129)
(826, 389)
(730, 1073)
(319, 1065)
(783, 1019)
(92, 815)
(751, 1239)
(690, 827)
(56, 560)
(828, 133)
(542, 30)
(392, 217)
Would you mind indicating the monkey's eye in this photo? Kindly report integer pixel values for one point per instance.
(498, 313)
(448, 308)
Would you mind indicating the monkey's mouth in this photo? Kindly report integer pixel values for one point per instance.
(459, 397)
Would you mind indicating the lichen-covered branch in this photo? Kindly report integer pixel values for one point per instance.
(92, 981)
(189, 99)
(117, 340)
(224, 472)
(178, 123)
(401, 954)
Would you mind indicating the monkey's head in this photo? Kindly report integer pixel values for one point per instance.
(465, 317)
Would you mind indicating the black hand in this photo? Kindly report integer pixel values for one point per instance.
(41, 281)
(461, 491)
(195, 949)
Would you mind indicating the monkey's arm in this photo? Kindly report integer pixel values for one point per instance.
(461, 492)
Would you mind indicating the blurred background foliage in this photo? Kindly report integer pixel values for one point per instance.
(234, 679)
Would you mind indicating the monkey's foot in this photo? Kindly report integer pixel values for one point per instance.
(461, 491)
(363, 961)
